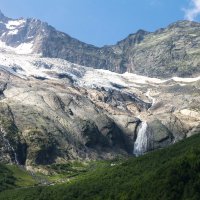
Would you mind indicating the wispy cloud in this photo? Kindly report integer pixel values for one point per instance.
(193, 11)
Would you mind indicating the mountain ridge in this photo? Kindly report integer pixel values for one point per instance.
(55, 111)
(165, 54)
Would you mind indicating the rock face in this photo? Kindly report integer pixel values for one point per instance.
(53, 111)
(34, 36)
(171, 51)
(50, 121)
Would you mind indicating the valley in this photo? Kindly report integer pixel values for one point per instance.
(73, 115)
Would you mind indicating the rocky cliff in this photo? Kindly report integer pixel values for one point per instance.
(53, 110)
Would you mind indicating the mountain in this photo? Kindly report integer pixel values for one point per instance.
(54, 111)
(171, 51)
(33, 36)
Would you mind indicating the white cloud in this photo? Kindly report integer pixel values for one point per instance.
(193, 11)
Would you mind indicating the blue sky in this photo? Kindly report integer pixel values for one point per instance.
(102, 22)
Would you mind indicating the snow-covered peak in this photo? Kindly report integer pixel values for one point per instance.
(22, 36)
(19, 35)
(14, 24)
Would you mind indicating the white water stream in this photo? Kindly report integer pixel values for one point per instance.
(141, 143)
(9, 146)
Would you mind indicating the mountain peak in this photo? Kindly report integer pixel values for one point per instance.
(1, 14)
(183, 24)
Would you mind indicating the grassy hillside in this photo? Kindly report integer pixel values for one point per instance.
(12, 177)
(169, 174)
(7, 180)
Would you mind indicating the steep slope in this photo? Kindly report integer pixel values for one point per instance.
(171, 51)
(167, 52)
(167, 174)
(12, 177)
(26, 36)
(53, 111)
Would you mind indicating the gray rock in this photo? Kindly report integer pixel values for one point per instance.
(171, 51)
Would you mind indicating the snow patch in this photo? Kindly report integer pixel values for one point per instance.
(142, 79)
(186, 80)
(34, 65)
(13, 32)
(4, 47)
(24, 48)
(12, 24)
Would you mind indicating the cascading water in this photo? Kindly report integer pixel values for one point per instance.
(141, 143)
(9, 146)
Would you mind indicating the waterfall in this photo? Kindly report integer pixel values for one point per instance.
(9, 146)
(141, 143)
